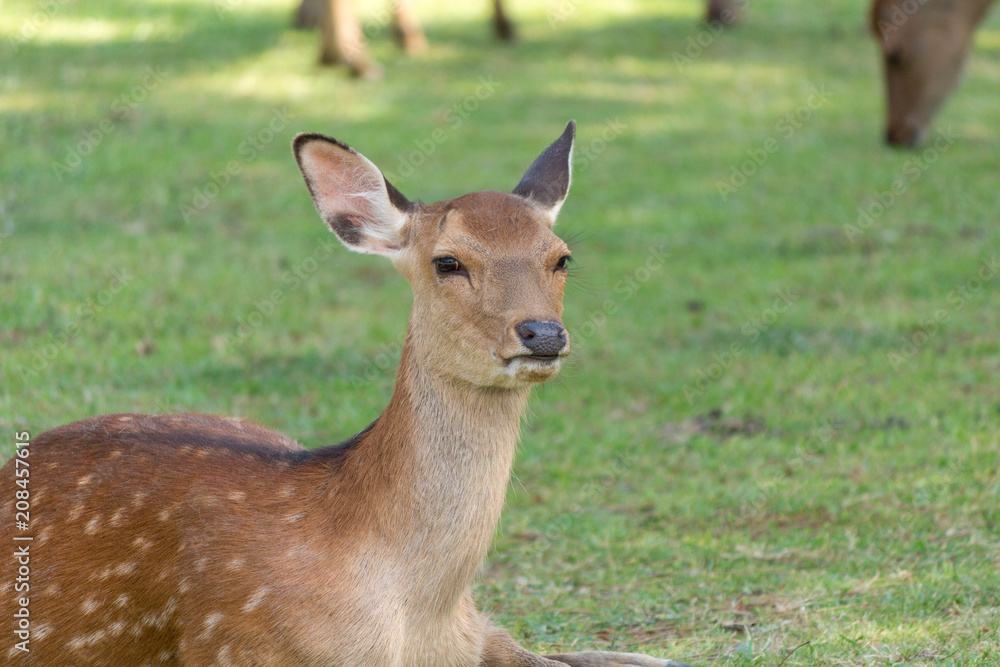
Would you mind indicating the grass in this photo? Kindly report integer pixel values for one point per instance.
(779, 440)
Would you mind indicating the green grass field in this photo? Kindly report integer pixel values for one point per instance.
(778, 442)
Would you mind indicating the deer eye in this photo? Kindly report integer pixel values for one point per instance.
(447, 265)
(894, 58)
(563, 263)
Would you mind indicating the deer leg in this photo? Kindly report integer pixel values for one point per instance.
(504, 28)
(608, 659)
(342, 41)
(409, 34)
(500, 650)
(309, 14)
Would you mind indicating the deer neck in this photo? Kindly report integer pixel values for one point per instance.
(435, 469)
(980, 8)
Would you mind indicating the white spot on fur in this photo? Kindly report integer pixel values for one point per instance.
(165, 514)
(254, 600)
(116, 518)
(138, 498)
(287, 490)
(160, 621)
(121, 600)
(125, 568)
(224, 657)
(235, 564)
(237, 496)
(43, 536)
(52, 590)
(201, 564)
(116, 628)
(202, 453)
(294, 518)
(141, 543)
(85, 480)
(164, 656)
(209, 625)
(40, 631)
(115, 453)
(83, 641)
(184, 586)
(75, 513)
(90, 605)
(92, 525)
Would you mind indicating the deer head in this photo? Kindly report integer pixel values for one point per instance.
(924, 46)
(486, 270)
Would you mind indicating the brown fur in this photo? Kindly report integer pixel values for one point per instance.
(197, 540)
(924, 45)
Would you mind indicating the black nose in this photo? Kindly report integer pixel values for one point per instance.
(545, 339)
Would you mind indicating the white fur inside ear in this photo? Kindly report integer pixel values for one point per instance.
(351, 196)
(553, 211)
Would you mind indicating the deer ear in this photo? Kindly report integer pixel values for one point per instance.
(546, 182)
(352, 196)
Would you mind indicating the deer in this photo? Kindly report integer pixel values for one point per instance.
(199, 540)
(342, 41)
(924, 46)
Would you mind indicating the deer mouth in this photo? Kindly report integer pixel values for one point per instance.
(540, 358)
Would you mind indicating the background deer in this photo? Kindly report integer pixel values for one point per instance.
(342, 40)
(924, 46)
(201, 540)
(724, 12)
